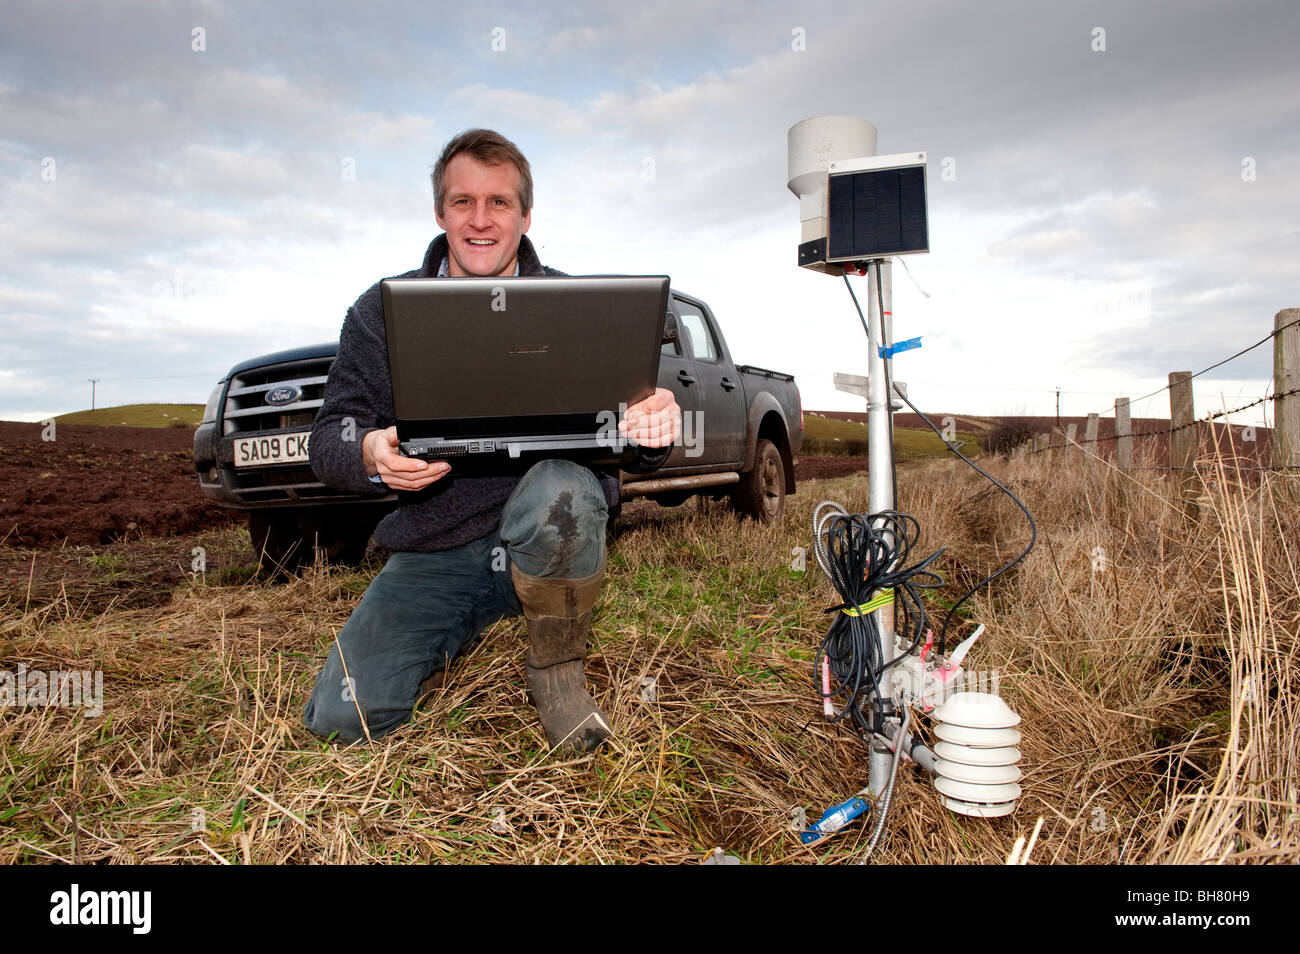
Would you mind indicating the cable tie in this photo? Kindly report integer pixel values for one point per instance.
(893, 349)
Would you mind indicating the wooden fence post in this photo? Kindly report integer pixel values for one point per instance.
(1123, 438)
(1090, 434)
(1286, 377)
(1183, 441)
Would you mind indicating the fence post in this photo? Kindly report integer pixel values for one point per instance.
(1090, 434)
(1123, 438)
(1183, 440)
(1286, 377)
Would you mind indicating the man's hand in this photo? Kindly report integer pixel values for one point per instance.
(654, 422)
(379, 449)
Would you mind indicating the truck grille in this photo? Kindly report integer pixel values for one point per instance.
(246, 409)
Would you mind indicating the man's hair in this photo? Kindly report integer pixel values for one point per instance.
(488, 147)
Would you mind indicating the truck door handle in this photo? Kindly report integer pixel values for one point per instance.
(687, 379)
(729, 384)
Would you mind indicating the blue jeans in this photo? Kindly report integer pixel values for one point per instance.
(422, 608)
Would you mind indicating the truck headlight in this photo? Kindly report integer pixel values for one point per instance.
(210, 409)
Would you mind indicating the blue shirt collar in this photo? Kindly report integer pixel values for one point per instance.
(443, 273)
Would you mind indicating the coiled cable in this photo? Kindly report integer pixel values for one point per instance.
(865, 557)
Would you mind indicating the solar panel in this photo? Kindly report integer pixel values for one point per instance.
(876, 213)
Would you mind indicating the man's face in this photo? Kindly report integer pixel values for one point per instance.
(482, 217)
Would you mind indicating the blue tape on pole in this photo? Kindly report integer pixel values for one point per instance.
(907, 345)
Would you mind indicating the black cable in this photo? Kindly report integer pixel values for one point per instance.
(889, 381)
(857, 552)
(886, 343)
(1033, 527)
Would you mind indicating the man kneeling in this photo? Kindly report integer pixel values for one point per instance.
(445, 582)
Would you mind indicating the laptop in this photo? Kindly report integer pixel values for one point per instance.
(490, 371)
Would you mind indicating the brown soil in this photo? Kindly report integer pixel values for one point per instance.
(108, 516)
(75, 581)
(819, 468)
(97, 485)
(92, 486)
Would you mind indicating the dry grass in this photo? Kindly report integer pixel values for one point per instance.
(1158, 699)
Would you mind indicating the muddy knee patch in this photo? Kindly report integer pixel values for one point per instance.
(561, 517)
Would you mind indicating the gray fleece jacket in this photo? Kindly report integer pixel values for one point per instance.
(455, 509)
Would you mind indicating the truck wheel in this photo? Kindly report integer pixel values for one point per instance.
(612, 527)
(287, 539)
(761, 492)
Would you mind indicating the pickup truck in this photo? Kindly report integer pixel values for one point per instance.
(251, 450)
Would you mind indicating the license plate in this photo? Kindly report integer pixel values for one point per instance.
(274, 449)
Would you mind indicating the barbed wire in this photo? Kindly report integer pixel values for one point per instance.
(1168, 431)
(1215, 415)
(1264, 340)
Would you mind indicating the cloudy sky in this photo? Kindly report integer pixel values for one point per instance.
(1114, 187)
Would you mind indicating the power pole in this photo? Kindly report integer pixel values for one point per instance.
(1058, 407)
(93, 382)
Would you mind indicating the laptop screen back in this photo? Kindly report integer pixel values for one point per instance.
(496, 349)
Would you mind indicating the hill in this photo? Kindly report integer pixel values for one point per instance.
(138, 415)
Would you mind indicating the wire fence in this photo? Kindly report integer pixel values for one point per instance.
(1218, 364)
(1093, 441)
(1213, 416)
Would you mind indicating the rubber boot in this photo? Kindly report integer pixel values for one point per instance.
(558, 612)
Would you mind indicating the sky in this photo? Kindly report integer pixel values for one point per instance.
(1114, 188)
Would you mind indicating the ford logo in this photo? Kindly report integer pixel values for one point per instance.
(282, 395)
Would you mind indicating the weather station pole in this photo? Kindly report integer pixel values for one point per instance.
(858, 211)
(880, 466)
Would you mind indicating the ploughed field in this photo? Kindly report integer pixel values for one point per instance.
(124, 503)
(96, 485)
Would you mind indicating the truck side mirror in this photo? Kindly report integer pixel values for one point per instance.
(670, 330)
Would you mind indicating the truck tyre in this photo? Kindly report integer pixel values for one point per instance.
(761, 492)
(612, 527)
(287, 539)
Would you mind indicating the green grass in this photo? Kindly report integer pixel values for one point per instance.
(138, 415)
(825, 436)
(204, 694)
(817, 428)
(109, 563)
